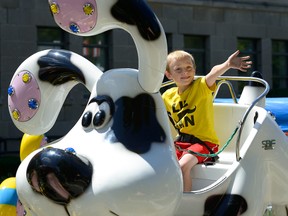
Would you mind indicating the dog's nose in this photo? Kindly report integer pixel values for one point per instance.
(60, 175)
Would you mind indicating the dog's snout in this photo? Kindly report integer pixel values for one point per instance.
(59, 174)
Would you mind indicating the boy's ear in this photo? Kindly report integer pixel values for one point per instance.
(168, 75)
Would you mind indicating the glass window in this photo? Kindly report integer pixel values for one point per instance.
(51, 38)
(196, 45)
(251, 47)
(9, 165)
(169, 42)
(169, 49)
(96, 50)
(279, 68)
(248, 46)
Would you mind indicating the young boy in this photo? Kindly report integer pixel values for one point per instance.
(190, 107)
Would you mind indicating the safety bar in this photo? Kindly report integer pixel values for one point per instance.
(242, 121)
(226, 80)
(231, 89)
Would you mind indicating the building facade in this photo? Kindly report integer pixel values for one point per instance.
(211, 30)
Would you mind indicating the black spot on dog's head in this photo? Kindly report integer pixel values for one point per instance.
(135, 124)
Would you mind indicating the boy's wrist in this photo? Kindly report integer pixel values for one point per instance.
(227, 65)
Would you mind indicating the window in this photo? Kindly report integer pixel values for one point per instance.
(279, 68)
(250, 47)
(196, 45)
(169, 42)
(96, 50)
(169, 49)
(51, 38)
(9, 165)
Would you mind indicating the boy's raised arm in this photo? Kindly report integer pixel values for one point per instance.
(234, 62)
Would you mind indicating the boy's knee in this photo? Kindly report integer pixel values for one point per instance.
(186, 167)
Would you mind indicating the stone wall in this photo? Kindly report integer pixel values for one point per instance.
(222, 21)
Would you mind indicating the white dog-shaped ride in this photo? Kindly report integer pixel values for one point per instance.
(119, 157)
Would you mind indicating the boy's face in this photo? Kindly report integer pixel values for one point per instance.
(182, 72)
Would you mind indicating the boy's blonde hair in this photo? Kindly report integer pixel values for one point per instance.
(179, 54)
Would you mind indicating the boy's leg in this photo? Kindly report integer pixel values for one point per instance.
(187, 162)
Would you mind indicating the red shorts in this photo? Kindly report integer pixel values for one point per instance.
(196, 148)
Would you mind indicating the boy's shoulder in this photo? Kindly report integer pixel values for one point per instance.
(170, 91)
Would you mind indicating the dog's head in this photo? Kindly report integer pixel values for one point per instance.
(118, 154)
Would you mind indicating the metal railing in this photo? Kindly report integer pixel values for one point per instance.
(226, 80)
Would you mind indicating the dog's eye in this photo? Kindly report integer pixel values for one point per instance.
(98, 113)
(86, 119)
(102, 116)
(99, 118)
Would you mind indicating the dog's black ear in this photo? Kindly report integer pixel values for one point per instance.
(135, 123)
(137, 13)
(56, 68)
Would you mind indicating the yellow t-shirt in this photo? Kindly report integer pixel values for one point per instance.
(192, 111)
